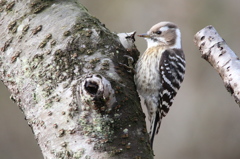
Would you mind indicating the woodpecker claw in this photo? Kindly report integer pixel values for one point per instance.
(129, 66)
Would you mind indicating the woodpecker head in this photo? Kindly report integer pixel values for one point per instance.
(165, 34)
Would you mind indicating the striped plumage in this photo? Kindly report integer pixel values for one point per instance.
(159, 72)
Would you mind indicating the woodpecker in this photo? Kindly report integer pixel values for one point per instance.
(159, 72)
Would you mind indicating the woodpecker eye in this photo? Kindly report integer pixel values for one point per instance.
(158, 32)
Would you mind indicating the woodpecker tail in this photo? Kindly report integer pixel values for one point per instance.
(155, 125)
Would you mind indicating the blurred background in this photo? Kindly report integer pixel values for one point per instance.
(203, 122)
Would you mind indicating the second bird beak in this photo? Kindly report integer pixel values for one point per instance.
(144, 35)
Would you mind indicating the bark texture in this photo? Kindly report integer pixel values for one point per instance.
(65, 71)
(215, 50)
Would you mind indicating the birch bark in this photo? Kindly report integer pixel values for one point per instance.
(215, 50)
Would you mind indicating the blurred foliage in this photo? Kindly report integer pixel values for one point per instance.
(204, 120)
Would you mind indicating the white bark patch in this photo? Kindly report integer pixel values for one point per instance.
(127, 40)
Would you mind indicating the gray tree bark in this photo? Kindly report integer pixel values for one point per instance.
(215, 50)
(65, 71)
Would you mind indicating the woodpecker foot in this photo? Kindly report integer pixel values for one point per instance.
(129, 65)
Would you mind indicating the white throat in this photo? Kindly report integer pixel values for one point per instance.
(151, 43)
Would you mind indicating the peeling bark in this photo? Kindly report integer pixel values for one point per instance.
(215, 50)
(66, 73)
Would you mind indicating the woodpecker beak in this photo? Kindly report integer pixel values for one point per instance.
(144, 35)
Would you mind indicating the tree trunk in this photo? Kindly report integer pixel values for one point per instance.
(215, 50)
(65, 71)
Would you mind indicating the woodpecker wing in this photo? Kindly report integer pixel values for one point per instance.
(172, 69)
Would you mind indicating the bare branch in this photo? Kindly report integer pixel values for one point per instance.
(215, 50)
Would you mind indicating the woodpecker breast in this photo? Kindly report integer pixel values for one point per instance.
(147, 68)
